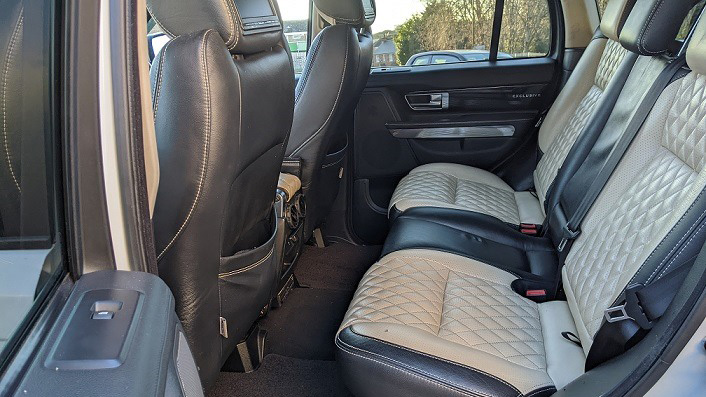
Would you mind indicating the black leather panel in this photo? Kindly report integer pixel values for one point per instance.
(474, 235)
(358, 13)
(602, 114)
(645, 71)
(336, 70)
(653, 25)
(372, 367)
(222, 123)
(11, 119)
(190, 16)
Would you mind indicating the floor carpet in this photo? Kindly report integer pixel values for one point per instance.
(300, 347)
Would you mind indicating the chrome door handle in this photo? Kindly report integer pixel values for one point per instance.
(428, 101)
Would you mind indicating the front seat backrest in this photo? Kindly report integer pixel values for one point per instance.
(223, 97)
(335, 73)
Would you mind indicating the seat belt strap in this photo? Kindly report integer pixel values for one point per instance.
(640, 307)
(571, 230)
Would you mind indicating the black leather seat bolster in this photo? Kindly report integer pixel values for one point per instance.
(476, 236)
(374, 367)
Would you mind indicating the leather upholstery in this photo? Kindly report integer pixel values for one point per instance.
(357, 13)
(415, 306)
(11, 23)
(335, 73)
(222, 122)
(187, 16)
(651, 27)
(476, 236)
(614, 16)
(696, 51)
(454, 310)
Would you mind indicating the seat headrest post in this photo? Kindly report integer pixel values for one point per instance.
(246, 26)
(357, 13)
(653, 25)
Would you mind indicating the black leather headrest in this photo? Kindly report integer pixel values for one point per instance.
(358, 13)
(653, 25)
(246, 26)
(696, 50)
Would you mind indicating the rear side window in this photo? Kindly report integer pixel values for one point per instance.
(30, 216)
(295, 17)
(601, 6)
(405, 28)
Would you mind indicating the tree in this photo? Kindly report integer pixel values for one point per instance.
(407, 39)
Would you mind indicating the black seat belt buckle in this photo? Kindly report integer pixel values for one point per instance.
(630, 309)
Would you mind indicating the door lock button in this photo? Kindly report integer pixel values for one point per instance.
(105, 310)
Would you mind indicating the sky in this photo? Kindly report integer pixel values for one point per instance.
(390, 13)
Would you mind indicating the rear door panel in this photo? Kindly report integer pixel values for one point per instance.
(488, 121)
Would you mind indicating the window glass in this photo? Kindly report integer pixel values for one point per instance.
(439, 59)
(295, 16)
(421, 60)
(601, 6)
(525, 30)
(28, 163)
(690, 20)
(404, 28)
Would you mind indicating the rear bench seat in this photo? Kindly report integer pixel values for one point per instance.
(429, 322)
(578, 110)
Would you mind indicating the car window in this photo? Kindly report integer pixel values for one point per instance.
(421, 60)
(601, 6)
(405, 28)
(29, 158)
(295, 17)
(526, 29)
(690, 20)
(439, 59)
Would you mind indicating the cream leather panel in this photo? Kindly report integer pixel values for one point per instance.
(696, 51)
(454, 308)
(464, 311)
(565, 360)
(460, 187)
(576, 88)
(637, 209)
(614, 17)
(556, 152)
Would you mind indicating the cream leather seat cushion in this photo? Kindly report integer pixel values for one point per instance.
(465, 188)
(463, 311)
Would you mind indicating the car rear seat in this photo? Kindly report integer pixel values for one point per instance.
(428, 322)
(591, 89)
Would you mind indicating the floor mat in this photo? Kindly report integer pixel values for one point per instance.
(338, 266)
(300, 347)
(304, 327)
(283, 376)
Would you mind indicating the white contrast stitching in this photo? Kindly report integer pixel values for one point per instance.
(249, 267)
(207, 136)
(6, 71)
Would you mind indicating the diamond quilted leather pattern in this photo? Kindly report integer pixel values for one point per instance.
(561, 145)
(601, 264)
(448, 191)
(492, 318)
(549, 165)
(409, 292)
(425, 294)
(612, 57)
(685, 133)
(426, 185)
